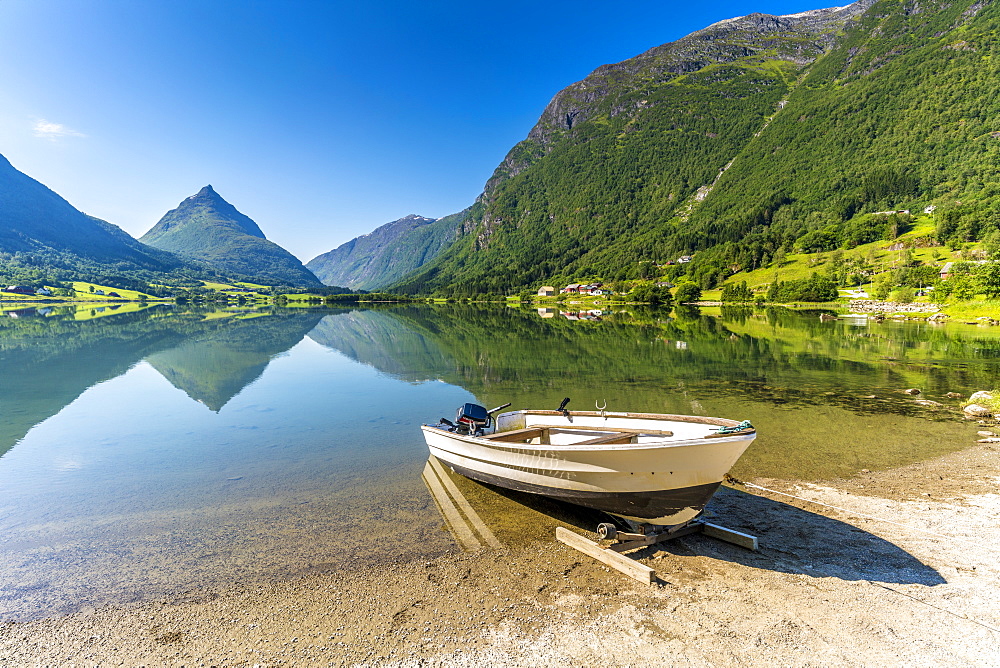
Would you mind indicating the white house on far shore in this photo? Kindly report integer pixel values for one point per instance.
(546, 291)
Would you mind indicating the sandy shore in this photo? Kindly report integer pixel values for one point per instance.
(828, 587)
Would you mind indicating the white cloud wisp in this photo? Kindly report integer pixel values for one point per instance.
(53, 131)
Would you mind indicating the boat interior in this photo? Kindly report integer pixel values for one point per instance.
(583, 434)
(572, 435)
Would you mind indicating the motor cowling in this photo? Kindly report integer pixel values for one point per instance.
(472, 419)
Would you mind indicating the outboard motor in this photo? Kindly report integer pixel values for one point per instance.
(472, 419)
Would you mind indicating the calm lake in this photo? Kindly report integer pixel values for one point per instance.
(161, 451)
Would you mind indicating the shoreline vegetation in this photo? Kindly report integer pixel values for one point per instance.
(973, 312)
(903, 277)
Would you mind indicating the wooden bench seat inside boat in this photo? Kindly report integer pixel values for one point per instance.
(611, 439)
(518, 435)
(618, 435)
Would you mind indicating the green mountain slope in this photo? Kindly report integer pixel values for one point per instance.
(627, 148)
(42, 232)
(740, 140)
(902, 114)
(387, 254)
(208, 228)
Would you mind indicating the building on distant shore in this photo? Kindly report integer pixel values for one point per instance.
(546, 291)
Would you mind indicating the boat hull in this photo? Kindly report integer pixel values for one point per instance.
(663, 480)
(664, 506)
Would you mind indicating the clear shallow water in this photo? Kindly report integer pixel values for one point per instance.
(161, 452)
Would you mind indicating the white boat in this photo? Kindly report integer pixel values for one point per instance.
(649, 468)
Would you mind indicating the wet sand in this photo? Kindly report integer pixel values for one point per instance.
(829, 586)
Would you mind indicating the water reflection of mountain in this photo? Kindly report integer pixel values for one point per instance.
(778, 355)
(47, 362)
(825, 395)
(214, 365)
(379, 339)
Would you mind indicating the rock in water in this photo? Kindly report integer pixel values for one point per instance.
(976, 410)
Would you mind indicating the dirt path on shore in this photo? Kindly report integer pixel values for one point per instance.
(829, 586)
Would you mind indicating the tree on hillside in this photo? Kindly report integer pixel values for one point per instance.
(882, 286)
(816, 288)
(989, 279)
(736, 292)
(648, 293)
(687, 292)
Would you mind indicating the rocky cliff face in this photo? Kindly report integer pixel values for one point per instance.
(379, 258)
(611, 89)
(207, 228)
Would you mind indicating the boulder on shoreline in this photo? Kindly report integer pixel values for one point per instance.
(875, 306)
(977, 410)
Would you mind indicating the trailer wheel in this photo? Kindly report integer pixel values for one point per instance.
(606, 531)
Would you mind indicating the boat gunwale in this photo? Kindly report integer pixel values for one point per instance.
(667, 442)
(664, 417)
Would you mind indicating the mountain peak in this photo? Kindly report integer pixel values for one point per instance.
(208, 228)
(206, 204)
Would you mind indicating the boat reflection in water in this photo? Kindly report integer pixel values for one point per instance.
(479, 515)
(462, 520)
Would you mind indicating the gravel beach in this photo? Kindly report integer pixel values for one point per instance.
(830, 585)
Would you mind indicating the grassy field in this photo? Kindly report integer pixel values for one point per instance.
(802, 265)
(83, 292)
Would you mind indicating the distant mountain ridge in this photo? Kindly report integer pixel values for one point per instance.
(36, 221)
(206, 227)
(387, 254)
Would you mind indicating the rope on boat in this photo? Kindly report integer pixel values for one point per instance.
(742, 426)
(979, 545)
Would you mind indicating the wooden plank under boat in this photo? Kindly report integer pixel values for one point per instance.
(646, 467)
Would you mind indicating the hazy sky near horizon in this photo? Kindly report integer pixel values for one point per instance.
(319, 120)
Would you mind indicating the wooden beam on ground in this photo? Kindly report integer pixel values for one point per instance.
(463, 534)
(619, 562)
(474, 519)
(730, 536)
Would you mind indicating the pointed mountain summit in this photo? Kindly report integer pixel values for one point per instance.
(208, 228)
(35, 220)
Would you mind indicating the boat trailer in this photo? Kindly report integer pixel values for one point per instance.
(644, 535)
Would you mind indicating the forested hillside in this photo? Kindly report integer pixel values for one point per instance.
(742, 141)
(43, 235)
(387, 254)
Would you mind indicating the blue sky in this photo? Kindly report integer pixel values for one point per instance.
(319, 120)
